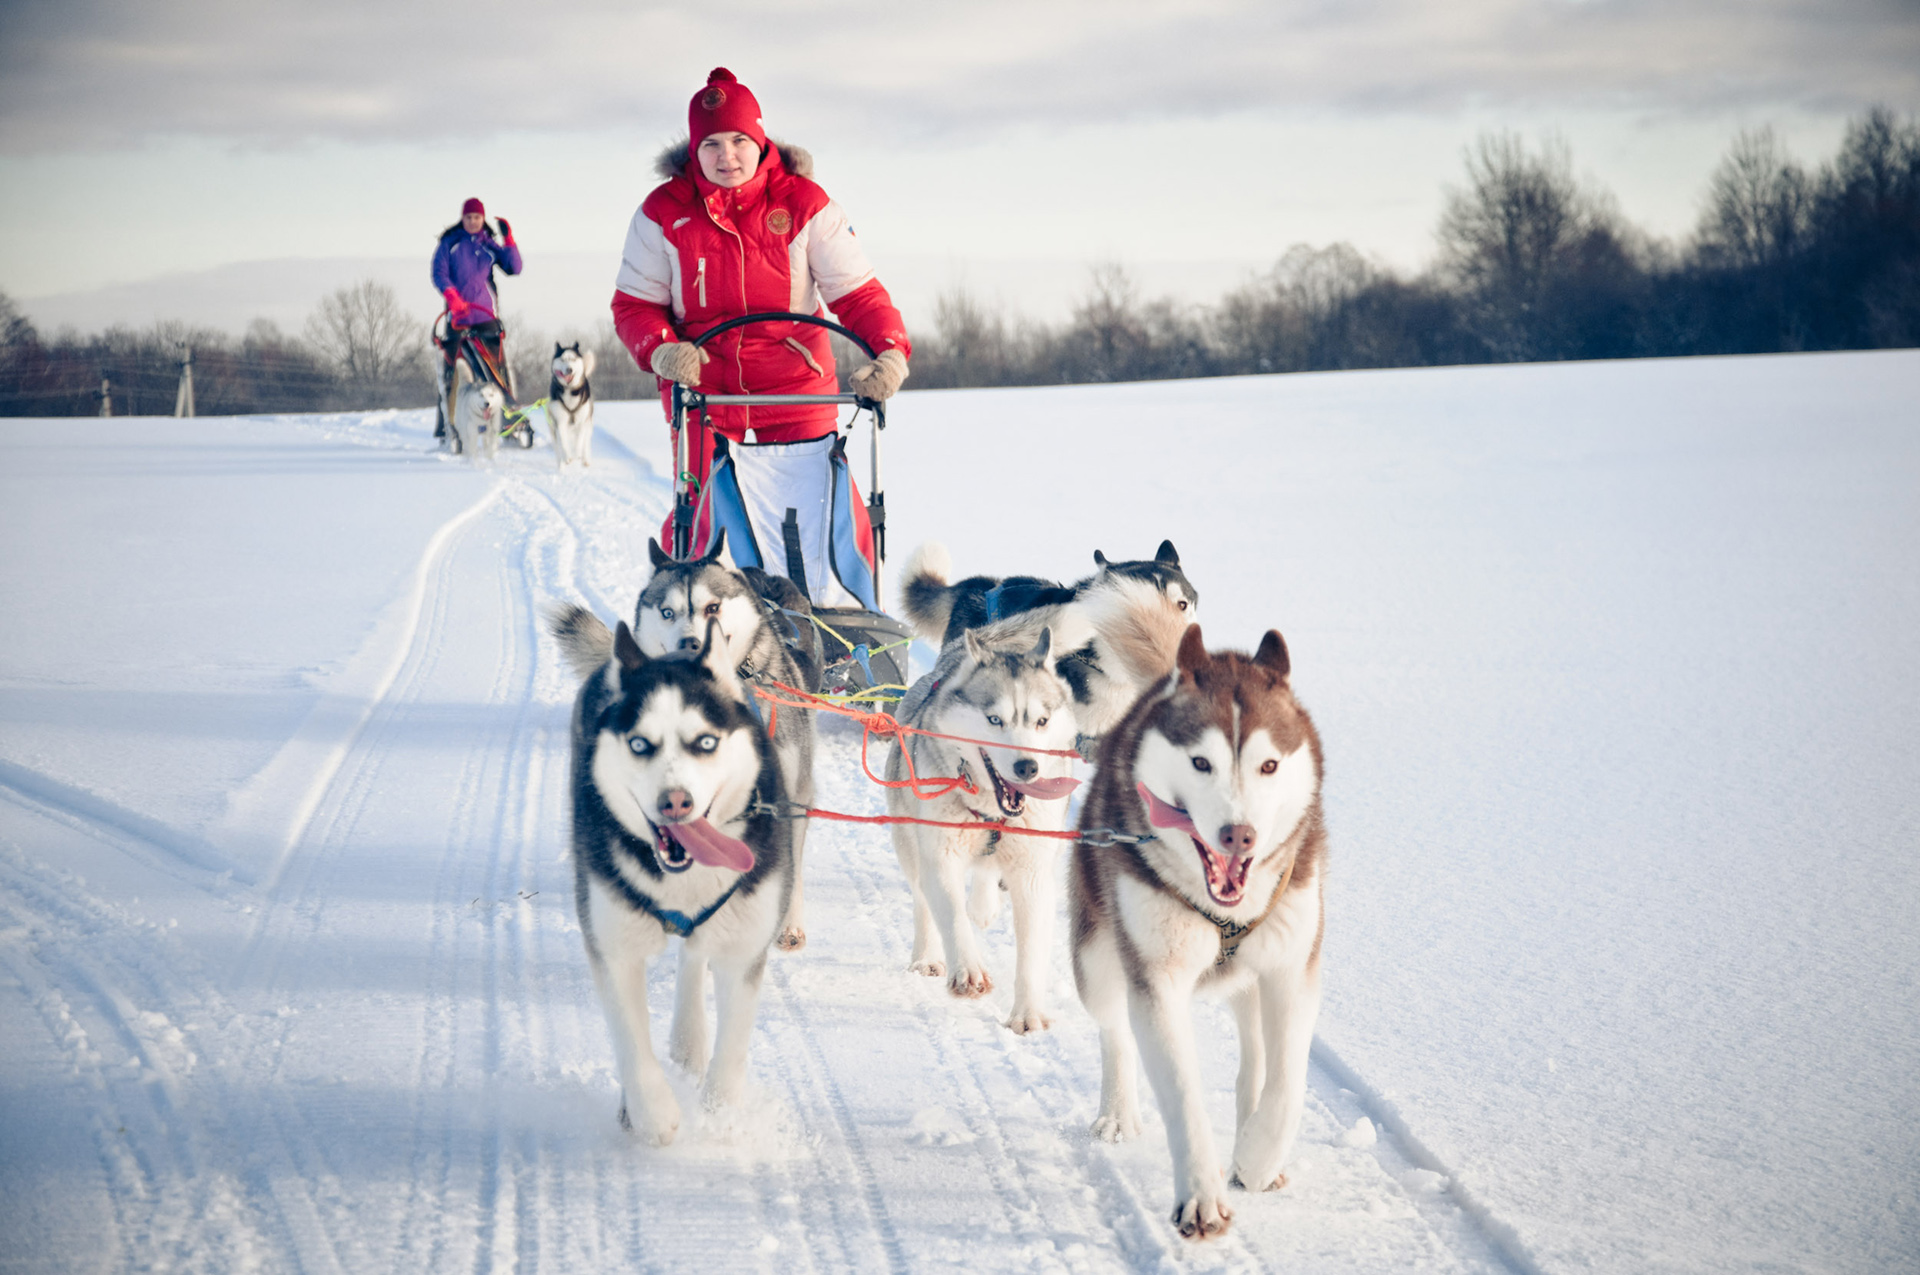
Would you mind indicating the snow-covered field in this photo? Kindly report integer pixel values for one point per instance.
(1615, 665)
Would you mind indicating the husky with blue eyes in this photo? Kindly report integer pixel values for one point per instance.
(671, 769)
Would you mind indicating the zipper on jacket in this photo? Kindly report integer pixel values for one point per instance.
(700, 281)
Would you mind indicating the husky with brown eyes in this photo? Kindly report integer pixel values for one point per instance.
(673, 839)
(1214, 775)
(1018, 710)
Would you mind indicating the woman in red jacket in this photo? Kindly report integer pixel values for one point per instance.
(739, 227)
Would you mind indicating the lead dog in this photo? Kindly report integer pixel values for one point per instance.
(1015, 702)
(767, 635)
(668, 765)
(570, 404)
(1111, 630)
(1217, 773)
(477, 417)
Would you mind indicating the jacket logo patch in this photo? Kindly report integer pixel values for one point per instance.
(779, 221)
(683, 221)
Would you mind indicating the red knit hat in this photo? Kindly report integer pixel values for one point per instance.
(473, 205)
(724, 106)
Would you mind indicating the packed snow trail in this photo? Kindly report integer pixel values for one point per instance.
(374, 1044)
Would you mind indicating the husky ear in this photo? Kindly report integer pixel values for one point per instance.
(975, 647)
(1273, 653)
(1168, 554)
(625, 649)
(1193, 651)
(558, 349)
(716, 552)
(1038, 655)
(1100, 560)
(713, 656)
(660, 556)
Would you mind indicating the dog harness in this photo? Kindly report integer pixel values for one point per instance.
(679, 922)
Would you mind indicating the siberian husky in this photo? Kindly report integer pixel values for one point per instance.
(1218, 771)
(1114, 631)
(570, 404)
(1015, 700)
(767, 635)
(668, 763)
(477, 415)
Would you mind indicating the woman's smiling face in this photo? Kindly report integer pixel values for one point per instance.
(728, 159)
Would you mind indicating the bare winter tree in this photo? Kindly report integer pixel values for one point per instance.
(378, 349)
(1759, 205)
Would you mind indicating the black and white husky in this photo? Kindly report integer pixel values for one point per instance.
(1014, 701)
(1215, 774)
(1111, 630)
(670, 841)
(570, 404)
(766, 633)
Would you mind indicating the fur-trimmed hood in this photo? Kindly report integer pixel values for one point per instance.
(673, 160)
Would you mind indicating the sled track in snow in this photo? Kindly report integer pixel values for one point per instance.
(410, 1071)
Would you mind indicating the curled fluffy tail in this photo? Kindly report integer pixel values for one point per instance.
(924, 594)
(1137, 627)
(584, 640)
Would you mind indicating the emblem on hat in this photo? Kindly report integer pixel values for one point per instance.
(714, 98)
(779, 221)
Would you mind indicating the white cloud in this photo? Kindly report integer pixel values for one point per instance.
(93, 73)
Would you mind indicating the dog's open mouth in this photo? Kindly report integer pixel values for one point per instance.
(1226, 877)
(1011, 800)
(678, 846)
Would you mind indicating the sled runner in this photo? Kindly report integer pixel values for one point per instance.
(480, 356)
(833, 551)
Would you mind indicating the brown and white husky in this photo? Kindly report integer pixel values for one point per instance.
(1217, 769)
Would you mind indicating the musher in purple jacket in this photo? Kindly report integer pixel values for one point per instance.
(463, 268)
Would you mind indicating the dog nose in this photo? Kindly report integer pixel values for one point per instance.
(676, 803)
(1025, 769)
(1236, 838)
(689, 643)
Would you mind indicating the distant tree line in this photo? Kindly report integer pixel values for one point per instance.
(360, 349)
(1532, 264)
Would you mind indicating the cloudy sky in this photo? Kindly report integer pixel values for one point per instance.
(146, 139)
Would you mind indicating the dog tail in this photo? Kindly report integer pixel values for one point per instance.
(584, 639)
(924, 594)
(1139, 629)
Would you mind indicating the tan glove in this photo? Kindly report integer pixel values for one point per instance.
(678, 361)
(880, 378)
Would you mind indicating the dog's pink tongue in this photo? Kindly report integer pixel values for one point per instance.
(1045, 789)
(708, 845)
(1161, 815)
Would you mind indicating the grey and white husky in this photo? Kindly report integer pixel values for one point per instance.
(668, 764)
(765, 630)
(1114, 631)
(1015, 702)
(570, 404)
(1219, 770)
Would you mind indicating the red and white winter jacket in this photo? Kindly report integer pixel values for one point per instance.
(698, 254)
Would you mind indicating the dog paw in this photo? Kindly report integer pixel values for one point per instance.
(1025, 1019)
(1239, 1183)
(931, 968)
(1202, 1218)
(791, 939)
(1116, 1126)
(970, 983)
(690, 1055)
(657, 1127)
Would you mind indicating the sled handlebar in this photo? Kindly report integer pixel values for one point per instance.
(784, 316)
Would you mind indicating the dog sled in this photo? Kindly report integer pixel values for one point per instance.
(479, 357)
(865, 649)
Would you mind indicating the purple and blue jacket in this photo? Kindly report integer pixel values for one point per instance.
(465, 262)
